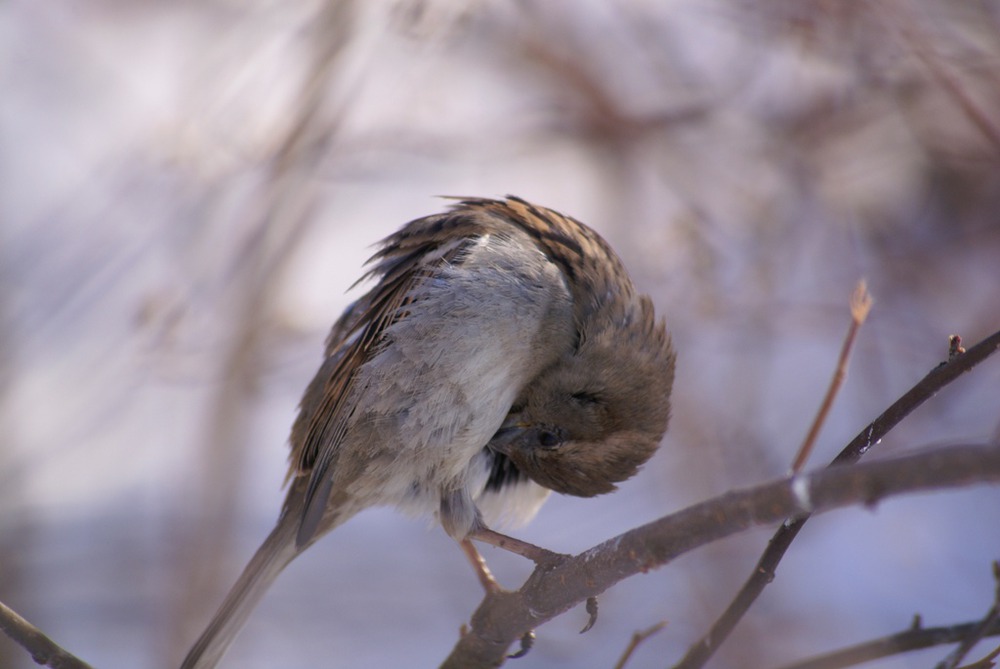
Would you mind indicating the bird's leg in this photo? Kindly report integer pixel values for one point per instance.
(486, 579)
(458, 511)
(536, 554)
(540, 556)
(491, 587)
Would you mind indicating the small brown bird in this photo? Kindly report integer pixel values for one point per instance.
(503, 353)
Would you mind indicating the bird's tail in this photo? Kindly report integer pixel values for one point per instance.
(274, 555)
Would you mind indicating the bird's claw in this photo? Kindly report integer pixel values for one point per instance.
(592, 610)
(527, 641)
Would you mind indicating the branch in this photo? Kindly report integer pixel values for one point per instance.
(551, 590)
(991, 619)
(861, 304)
(43, 650)
(763, 573)
(637, 639)
(912, 639)
(986, 662)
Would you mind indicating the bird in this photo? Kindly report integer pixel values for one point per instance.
(503, 353)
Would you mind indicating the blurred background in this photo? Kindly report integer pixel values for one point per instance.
(187, 190)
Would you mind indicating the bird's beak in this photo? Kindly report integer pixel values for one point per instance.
(510, 431)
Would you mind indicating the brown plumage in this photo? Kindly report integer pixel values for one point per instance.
(503, 353)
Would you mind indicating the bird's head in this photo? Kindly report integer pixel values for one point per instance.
(593, 418)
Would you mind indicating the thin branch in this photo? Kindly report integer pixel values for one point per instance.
(861, 304)
(915, 638)
(637, 639)
(764, 572)
(44, 650)
(991, 618)
(553, 589)
(986, 662)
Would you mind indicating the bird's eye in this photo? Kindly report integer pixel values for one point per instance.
(548, 439)
(584, 397)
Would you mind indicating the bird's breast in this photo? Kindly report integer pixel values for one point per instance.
(447, 371)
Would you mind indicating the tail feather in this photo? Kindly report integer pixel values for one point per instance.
(274, 555)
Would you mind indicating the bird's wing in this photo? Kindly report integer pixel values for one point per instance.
(407, 257)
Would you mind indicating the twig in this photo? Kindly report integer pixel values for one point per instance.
(986, 662)
(925, 51)
(764, 571)
(915, 638)
(991, 618)
(637, 639)
(553, 589)
(43, 650)
(861, 304)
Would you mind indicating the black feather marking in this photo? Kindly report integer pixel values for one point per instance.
(503, 474)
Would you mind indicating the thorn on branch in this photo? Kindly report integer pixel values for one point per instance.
(873, 496)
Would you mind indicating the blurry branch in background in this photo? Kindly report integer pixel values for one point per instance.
(987, 662)
(764, 571)
(43, 650)
(967, 635)
(504, 617)
(989, 621)
(861, 304)
(285, 203)
(921, 45)
(915, 638)
(13, 541)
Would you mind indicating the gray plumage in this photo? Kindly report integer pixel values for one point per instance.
(497, 320)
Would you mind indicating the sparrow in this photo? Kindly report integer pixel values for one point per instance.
(502, 354)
